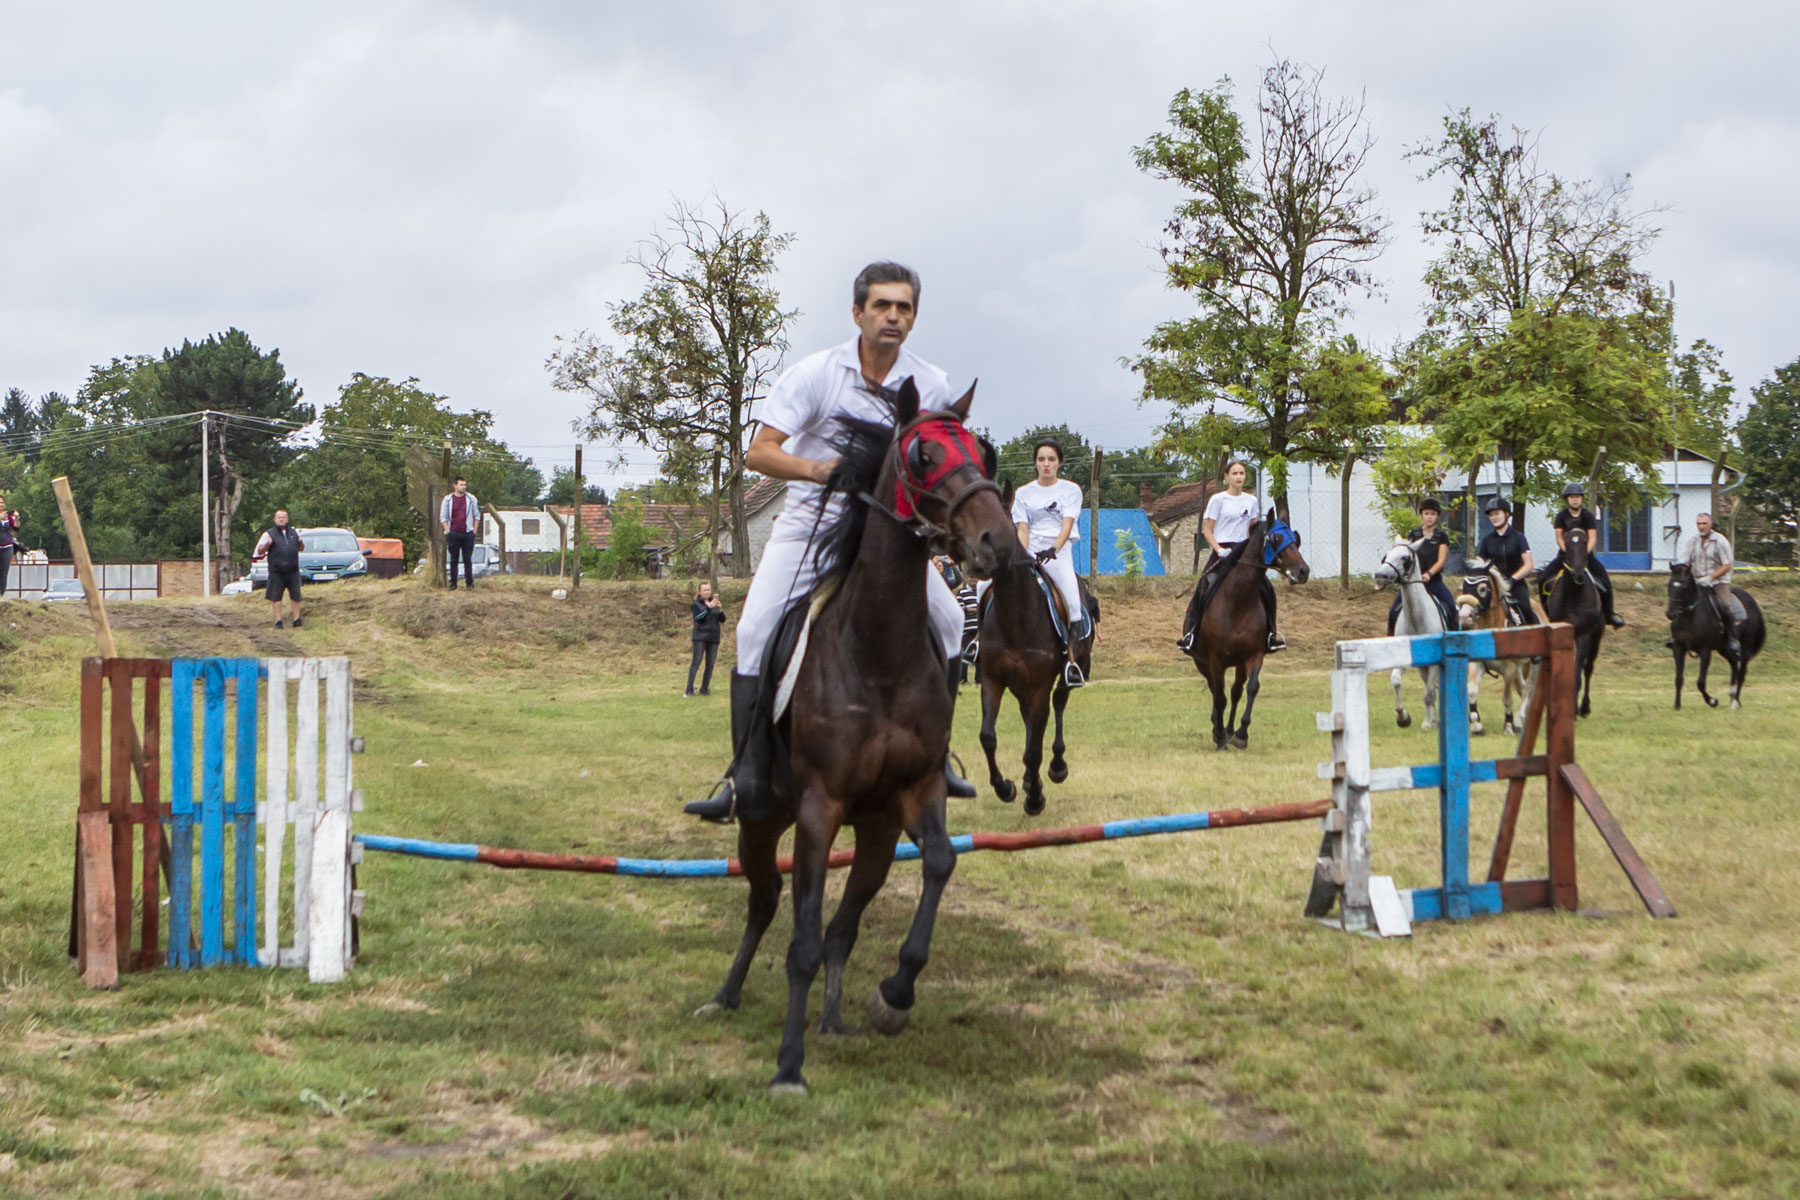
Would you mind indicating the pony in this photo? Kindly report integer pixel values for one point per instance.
(1233, 632)
(1574, 597)
(1019, 651)
(1419, 613)
(1695, 628)
(868, 723)
(1481, 604)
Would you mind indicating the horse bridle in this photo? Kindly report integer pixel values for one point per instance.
(915, 480)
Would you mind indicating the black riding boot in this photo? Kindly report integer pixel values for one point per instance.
(744, 792)
(1276, 641)
(954, 784)
(1196, 610)
(1600, 577)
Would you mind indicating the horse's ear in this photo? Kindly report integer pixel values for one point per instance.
(1270, 519)
(961, 407)
(906, 402)
(1006, 495)
(990, 459)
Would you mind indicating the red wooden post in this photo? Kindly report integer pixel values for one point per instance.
(1560, 713)
(150, 815)
(1515, 789)
(120, 725)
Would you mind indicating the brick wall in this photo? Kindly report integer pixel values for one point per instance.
(182, 577)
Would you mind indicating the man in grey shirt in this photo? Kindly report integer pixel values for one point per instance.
(1709, 557)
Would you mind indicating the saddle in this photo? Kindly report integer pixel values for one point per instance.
(1739, 614)
(1053, 597)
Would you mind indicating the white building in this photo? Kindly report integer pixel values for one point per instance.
(1645, 540)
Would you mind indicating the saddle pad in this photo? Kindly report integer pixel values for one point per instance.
(1738, 612)
(785, 691)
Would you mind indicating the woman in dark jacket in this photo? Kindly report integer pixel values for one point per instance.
(709, 615)
(9, 524)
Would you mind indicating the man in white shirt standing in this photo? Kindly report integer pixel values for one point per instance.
(1709, 557)
(800, 422)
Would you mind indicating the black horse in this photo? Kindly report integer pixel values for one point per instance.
(1695, 628)
(1575, 598)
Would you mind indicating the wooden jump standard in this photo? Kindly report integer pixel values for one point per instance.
(1342, 875)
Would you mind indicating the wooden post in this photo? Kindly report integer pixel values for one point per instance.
(1453, 791)
(562, 541)
(505, 568)
(1559, 711)
(1094, 517)
(575, 559)
(1515, 788)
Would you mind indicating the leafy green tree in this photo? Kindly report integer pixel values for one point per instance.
(562, 489)
(623, 556)
(1131, 555)
(356, 475)
(120, 478)
(1411, 466)
(1347, 408)
(1770, 437)
(1702, 397)
(1121, 471)
(695, 349)
(1273, 241)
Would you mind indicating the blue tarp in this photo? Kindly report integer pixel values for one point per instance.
(1112, 560)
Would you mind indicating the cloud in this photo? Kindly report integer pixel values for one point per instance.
(438, 190)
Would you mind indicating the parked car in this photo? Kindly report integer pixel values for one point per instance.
(484, 560)
(241, 586)
(64, 589)
(329, 554)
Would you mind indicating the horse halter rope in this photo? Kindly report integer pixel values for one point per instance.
(915, 479)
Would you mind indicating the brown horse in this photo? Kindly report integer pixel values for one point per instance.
(1575, 598)
(1233, 632)
(1021, 652)
(869, 721)
(1695, 628)
(1482, 605)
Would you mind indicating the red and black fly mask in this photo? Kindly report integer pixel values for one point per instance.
(939, 467)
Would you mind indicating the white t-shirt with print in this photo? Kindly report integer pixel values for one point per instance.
(1042, 511)
(1231, 516)
(809, 402)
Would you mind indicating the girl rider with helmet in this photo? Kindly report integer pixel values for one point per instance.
(1504, 548)
(1574, 516)
(1432, 546)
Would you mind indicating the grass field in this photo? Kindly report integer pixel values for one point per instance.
(1146, 1018)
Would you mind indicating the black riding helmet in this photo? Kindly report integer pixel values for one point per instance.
(1431, 502)
(1498, 502)
(1573, 488)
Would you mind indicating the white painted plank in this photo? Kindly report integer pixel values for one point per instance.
(274, 807)
(329, 910)
(1391, 916)
(1355, 840)
(1391, 779)
(306, 801)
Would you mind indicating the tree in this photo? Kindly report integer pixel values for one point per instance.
(1410, 467)
(19, 428)
(356, 475)
(623, 557)
(1540, 321)
(256, 408)
(1347, 406)
(562, 489)
(1770, 437)
(696, 350)
(1516, 235)
(1272, 242)
(1122, 471)
(1702, 399)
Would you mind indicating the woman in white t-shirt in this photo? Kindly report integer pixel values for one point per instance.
(1045, 511)
(1229, 515)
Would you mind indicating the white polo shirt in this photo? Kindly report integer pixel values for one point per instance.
(809, 403)
(1231, 516)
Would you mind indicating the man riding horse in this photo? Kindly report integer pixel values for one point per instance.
(802, 418)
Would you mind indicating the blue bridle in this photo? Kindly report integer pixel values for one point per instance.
(1277, 538)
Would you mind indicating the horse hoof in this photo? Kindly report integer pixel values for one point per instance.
(1429, 725)
(1034, 804)
(884, 1017)
(1006, 791)
(1477, 731)
(1711, 703)
(833, 1028)
(779, 1088)
(711, 1008)
(1734, 704)
(1238, 741)
(1058, 772)
(1403, 719)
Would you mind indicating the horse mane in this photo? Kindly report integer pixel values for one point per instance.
(1258, 529)
(862, 448)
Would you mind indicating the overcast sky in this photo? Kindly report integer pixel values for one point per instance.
(438, 190)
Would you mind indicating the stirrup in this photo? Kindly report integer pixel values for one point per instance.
(956, 782)
(972, 652)
(1072, 676)
(1185, 642)
(1277, 643)
(709, 809)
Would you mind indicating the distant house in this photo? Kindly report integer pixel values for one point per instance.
(676, 529)
(1176, 518)
(763, 502)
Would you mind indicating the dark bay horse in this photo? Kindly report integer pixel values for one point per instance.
(1020, 652)
(1695, 628)
(869, 721)
(1575, 597)
(1233, 632)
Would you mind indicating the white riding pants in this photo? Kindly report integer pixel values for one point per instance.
(787, 571)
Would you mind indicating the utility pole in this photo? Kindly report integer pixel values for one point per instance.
(1094, 517)
(206, 579)
(575, 563)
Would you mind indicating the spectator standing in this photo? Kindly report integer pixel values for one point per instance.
(9, 542)
(281, 544)
(460, 515)
(709, 615)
